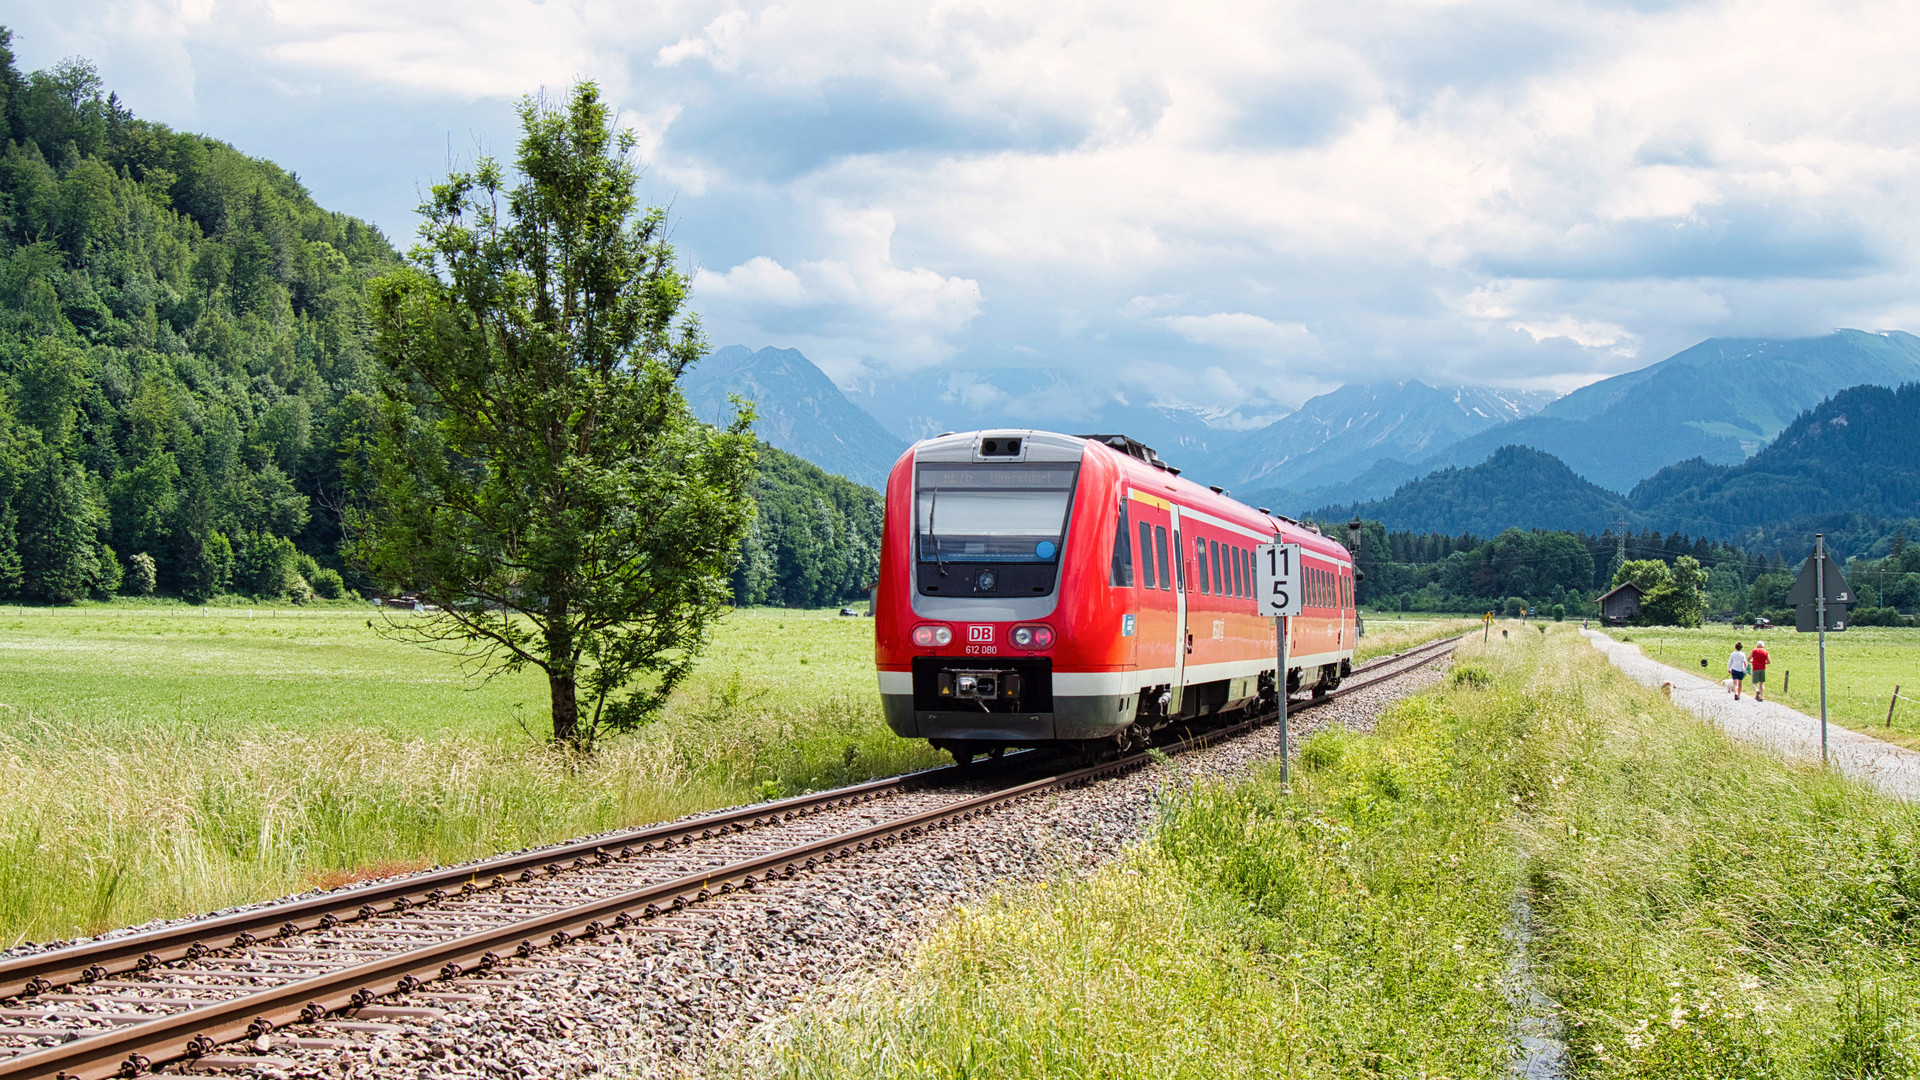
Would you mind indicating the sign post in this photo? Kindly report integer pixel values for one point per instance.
(1276, 573)
(1820, 597)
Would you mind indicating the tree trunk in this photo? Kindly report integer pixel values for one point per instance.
(566, 706)
(562, 676)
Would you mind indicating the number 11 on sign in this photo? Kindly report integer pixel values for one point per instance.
(1276, 583)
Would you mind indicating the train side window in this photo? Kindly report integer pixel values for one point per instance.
(1146, 555)
(1120, 573)
(1200, 551)
(1239, 572)
(1160, 555)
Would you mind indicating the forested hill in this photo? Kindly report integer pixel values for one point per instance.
(1517, 487)
(1849, 467)
(183, 344)
(1854, 456)
(816, 539)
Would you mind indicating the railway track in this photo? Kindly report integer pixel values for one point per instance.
(125, 1006)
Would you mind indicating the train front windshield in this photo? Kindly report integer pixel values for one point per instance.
(993, 513)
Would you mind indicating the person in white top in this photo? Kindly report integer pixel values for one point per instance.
(1737, 669)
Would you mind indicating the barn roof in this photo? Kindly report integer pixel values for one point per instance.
(1610, 593)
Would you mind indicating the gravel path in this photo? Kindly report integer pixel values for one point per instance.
(1794, 735)
(655, 1000)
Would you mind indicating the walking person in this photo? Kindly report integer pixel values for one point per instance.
(1737, 669)
(1757, 662)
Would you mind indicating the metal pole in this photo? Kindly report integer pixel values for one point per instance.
(1280, 646)
(1820, 612)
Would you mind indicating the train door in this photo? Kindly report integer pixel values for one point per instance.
(1182, 633)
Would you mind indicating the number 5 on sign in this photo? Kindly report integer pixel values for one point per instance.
(1276, 578)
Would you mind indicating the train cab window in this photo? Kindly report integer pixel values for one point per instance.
(1120, 573)
(1146, 555)
(1160, 555)
(1200, 553)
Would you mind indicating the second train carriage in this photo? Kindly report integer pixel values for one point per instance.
(1039, 588)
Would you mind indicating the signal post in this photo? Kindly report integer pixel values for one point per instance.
(1276, 572)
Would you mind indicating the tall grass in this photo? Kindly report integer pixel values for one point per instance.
(1350, 929)
(1700, 910)
(116, 808)
(1390, 634)
(1709, 910)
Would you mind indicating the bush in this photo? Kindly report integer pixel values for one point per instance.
(1559, 613)
(1471, 676)
(328, 584)
(267, 566)
(141, 576)
(1877, 616)
(1515, 605)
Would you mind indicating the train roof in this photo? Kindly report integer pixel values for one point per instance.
(1138, 462)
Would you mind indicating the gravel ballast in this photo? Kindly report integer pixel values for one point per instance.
(1794, 735)
(655, 1000)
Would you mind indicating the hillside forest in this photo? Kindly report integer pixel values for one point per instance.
(186, 382)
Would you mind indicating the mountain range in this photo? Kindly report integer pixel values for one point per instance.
(1421, 455)
(1340, 434)
(1849, 461)
(798, 409)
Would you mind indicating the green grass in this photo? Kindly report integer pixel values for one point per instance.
(1708, 910)
(1701, 909)
(1351, 929)
(1863, 667)
(1391, 633)
(159, 760)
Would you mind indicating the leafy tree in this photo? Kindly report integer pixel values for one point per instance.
(1649, 574)
(1680, 599)
(538, 474)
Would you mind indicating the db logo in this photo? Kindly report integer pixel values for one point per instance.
(980, 634)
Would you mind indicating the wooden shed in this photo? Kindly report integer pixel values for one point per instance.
(1617, 606)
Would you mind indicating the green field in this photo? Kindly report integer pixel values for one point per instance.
(1699, 909)
(1863, 667)
(157, 760)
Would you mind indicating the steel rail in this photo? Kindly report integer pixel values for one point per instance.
(135, 1049)
(94, 960)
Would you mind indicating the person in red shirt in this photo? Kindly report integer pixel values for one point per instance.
(1757, 661)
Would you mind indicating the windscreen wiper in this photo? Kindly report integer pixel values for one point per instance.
(933, 508)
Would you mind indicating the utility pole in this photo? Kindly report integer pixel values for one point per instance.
(1820, 612)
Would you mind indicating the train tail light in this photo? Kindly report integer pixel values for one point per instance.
(1033, 637)
(928, 636)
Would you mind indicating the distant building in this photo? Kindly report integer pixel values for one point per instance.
(1621, 605)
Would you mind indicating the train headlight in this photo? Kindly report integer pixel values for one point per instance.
(928, 637)
(1033, 637)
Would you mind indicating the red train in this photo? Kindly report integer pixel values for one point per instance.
(1042, 589)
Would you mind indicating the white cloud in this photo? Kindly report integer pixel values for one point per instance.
(1510, 189)
(871, 312)
(1240, 331)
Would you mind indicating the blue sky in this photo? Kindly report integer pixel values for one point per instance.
(1037, 211)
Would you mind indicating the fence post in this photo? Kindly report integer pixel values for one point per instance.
(1890, 704)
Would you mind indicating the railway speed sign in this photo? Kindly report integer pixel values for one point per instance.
(1276, 578)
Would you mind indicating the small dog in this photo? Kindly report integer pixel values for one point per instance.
(1666, 688)
(1727, 685)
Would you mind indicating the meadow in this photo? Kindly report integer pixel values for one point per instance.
(1698, 909)
(1391, 633)
(157, 761)
(1863, 667)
